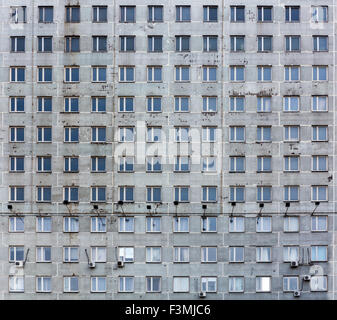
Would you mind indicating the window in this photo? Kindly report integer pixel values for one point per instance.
(71, 134)
(98, 254)
(319, 223)
(43, 284)
(126, 254)
(236, 284)
(264, 73)
(126, 104)
(127, 14)
(264, 43)
(236, 164)
(290, 253)
(43, 224)
(263, 134)
(209, 73)
(210, 13)
(181, 194)
(70, 194)
(153, 164)
(264, 14)
(153, 224)
(70, 254)
(291, 104)
(153, 134)
(319, 133)
(17, 44)
(319, 283)
(236, 194)
(126, 284)
(155, 43)
(292, 14)
(153, 104)
(181, 224)
(263, 284)
(182, 73)
(17, 104)
(154, 74)
(126, 224)
(70, 224)
(208, 224)
(237, 134)
(183, 13)
(183, 43)
(208, 164)
(16, 253)
(209, 134)
(293, 43)
(98, 194)
(237, 14)
(210, 43)
(181, 254)
(18, 14)
(126, 194)
(17, 164)
(98, 104)
(181, 284)
(98, 74)
(291, 163)
(70, 284)
(319, 73)
(237, 104)
(126, 164)
(43, 254)
(182, 134)
(127, 43)
(71, 104)
(291, 224)
(263, 194)
(153, 194)
(237, 43)
(319, 103)
(16, 224)
(264, 164)
(319, 193)
(319, 253)
(43, 194)
(46, 14)
(17, 74)
(153, 284)
(153, 254)
(291, 73)
(182, 164)
(209, 104)
(126, 74)
(44, 104)
(236, 224)
(209, 194)
(17, 134)
(181, 104)
(320, 43)
(319, 14)
(237, 73)
(263, 254)
(16, 194)
(16, 283)
(291, 133)
(155, 13)
(98, 224)
(45, 74)
(99, 14)
(71, 74)
(208, 284)
(236, 254)
(99, 43)
(319, 163)
(98, 134)
(290, 284)
(45, 44)
(72, 14)
(263, 224)
(72, 44)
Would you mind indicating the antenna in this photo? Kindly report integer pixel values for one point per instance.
(287, 204)
(316, 206)
(231, 215)
(120, 203)
(204, 207)
(176, 207)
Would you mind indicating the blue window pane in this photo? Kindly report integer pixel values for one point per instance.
(129, 194)
(20, 194)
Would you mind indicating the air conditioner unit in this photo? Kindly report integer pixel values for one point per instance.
(306, 278)
(297, 293)
(202, 294)
(92, 264)
(19, 264)
(120, 263)
(294, 264)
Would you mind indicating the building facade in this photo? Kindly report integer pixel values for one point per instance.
(168, 150)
